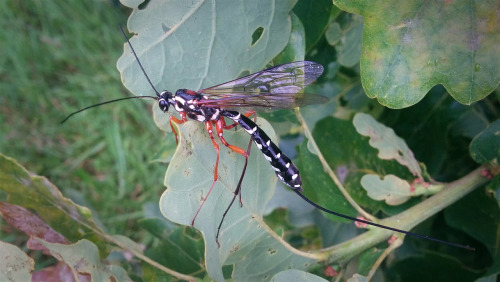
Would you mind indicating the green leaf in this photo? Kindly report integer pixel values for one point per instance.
(389, 145)
(37, 193)
(345, 35)
(199, 44)
(394, 190)
(485, 147)
(165, 150)
(296, 275)
(176, 250)
(245, 240)
(391, 189)
(367, 259)
(333, 33)
(421, 44)
(29, 223)
(315, 16)
(295, 49)
(358, 278)
(430, 267)
(314, 179)
(481, 223)
(83, 257)
(15, 265)
(351, 157)
(434, 131)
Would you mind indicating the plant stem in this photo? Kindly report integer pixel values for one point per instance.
(328, 169)
(406, 220)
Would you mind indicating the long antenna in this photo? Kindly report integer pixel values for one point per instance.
(138, 61)
(104, 103)
(379, 225)
(116, 100)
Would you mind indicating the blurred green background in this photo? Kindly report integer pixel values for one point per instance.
(57, 57)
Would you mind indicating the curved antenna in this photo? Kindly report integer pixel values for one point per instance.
(121, 99)
(139, 62)
(104, 103)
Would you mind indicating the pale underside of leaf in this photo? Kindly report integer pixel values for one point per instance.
(392, 189)
(83, 257)
(389, 145)
(198, 44)
(195, 45)
(245, 240)
(15, 265)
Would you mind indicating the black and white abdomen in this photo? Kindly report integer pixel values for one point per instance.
(286, 171)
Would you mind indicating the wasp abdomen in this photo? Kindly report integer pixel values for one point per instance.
(286, 171)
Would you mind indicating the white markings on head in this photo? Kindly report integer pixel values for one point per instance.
(296, 185)
(294, 176)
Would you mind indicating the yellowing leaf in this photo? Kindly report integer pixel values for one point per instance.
(420, 44)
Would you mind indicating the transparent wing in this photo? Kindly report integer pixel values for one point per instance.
(265, 101)
(276, 87)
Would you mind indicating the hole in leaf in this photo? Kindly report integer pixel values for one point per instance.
(165, 28)
(257, 34)
(143, 5)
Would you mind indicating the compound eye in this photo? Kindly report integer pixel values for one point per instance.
(163, 105)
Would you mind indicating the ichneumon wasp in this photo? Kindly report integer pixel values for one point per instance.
(277, 87)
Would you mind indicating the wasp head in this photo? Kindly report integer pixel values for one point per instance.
(164, 100)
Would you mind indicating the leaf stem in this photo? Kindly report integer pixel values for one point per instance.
(396, 244)
(406, 220)
(283, 242)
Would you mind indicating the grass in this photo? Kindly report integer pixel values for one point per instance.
(58, 57)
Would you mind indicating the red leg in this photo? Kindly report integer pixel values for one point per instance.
(208, 127)
(219, 127)
(178, 121)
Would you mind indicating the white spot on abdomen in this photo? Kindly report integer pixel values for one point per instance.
(251, 131)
